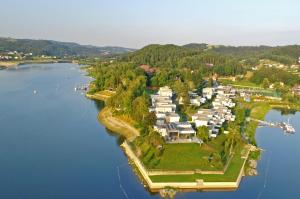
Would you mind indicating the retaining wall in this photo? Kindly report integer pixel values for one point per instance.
(198, 184)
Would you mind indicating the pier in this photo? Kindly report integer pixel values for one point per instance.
(83, 87)
(286, 127)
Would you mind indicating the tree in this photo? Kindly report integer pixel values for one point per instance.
(216, 160)
(155, 139)
(233, 138)
(151, 118)
(181, 90)
(140, 108)
(202, 133)
(266, 83)
(210, 82)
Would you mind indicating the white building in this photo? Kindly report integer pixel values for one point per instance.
(201, 121)
(221, 112)
(176, 130)
(172, 117)
(162, 103)
(165, 92)
(208, 92)
(195, 101)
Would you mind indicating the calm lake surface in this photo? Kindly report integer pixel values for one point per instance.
(52, 146)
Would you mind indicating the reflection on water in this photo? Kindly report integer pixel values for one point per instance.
(52, 145)
(119, 138)
(285, 111)
(99, 104)
(31, 67)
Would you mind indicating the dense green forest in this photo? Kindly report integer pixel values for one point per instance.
(191, 63)
(55, 48)
(282, 54)
(194, 55)
(274, 75)
(129, 82)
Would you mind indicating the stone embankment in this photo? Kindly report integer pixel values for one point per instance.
(197, 185)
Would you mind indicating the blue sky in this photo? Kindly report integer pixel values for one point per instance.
(136, 23)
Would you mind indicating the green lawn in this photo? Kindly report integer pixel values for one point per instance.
(190, 156)
(259, 110)
(241, 83)
(230, 175)
(184, 157)
(246, 84)
(217, 143)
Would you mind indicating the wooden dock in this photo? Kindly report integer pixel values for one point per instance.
(286, 127)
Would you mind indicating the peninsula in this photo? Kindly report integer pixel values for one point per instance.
(189, 117)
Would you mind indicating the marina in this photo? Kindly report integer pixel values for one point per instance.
(285, 126)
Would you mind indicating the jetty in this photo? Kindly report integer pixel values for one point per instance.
(83, 87)
(285, 126)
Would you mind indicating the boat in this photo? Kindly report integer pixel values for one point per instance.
(34, 92)
(287, 127)
(81, 88)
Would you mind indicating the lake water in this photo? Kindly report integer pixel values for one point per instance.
(52, 146)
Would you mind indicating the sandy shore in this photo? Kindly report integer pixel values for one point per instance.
(117, 125)
(8, 64)
(101, 95)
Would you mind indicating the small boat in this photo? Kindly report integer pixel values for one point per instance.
(81, 88)
(287, 127)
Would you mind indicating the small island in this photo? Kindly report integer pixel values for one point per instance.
(189, 128)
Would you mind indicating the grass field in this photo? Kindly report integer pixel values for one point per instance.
(230, 175)
(184, 157)
(259, 110)
(190, 156)
(241, 83)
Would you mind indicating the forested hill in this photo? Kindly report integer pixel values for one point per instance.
(196, 46)
(55, 48)
(284, 54)
(194, 54)
(159, 55)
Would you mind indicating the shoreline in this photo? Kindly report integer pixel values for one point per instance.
(6, 65)
(117, 125)
(102, 95)
(109, 121)
(130, 133)
(196, 185)
(114, 124)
